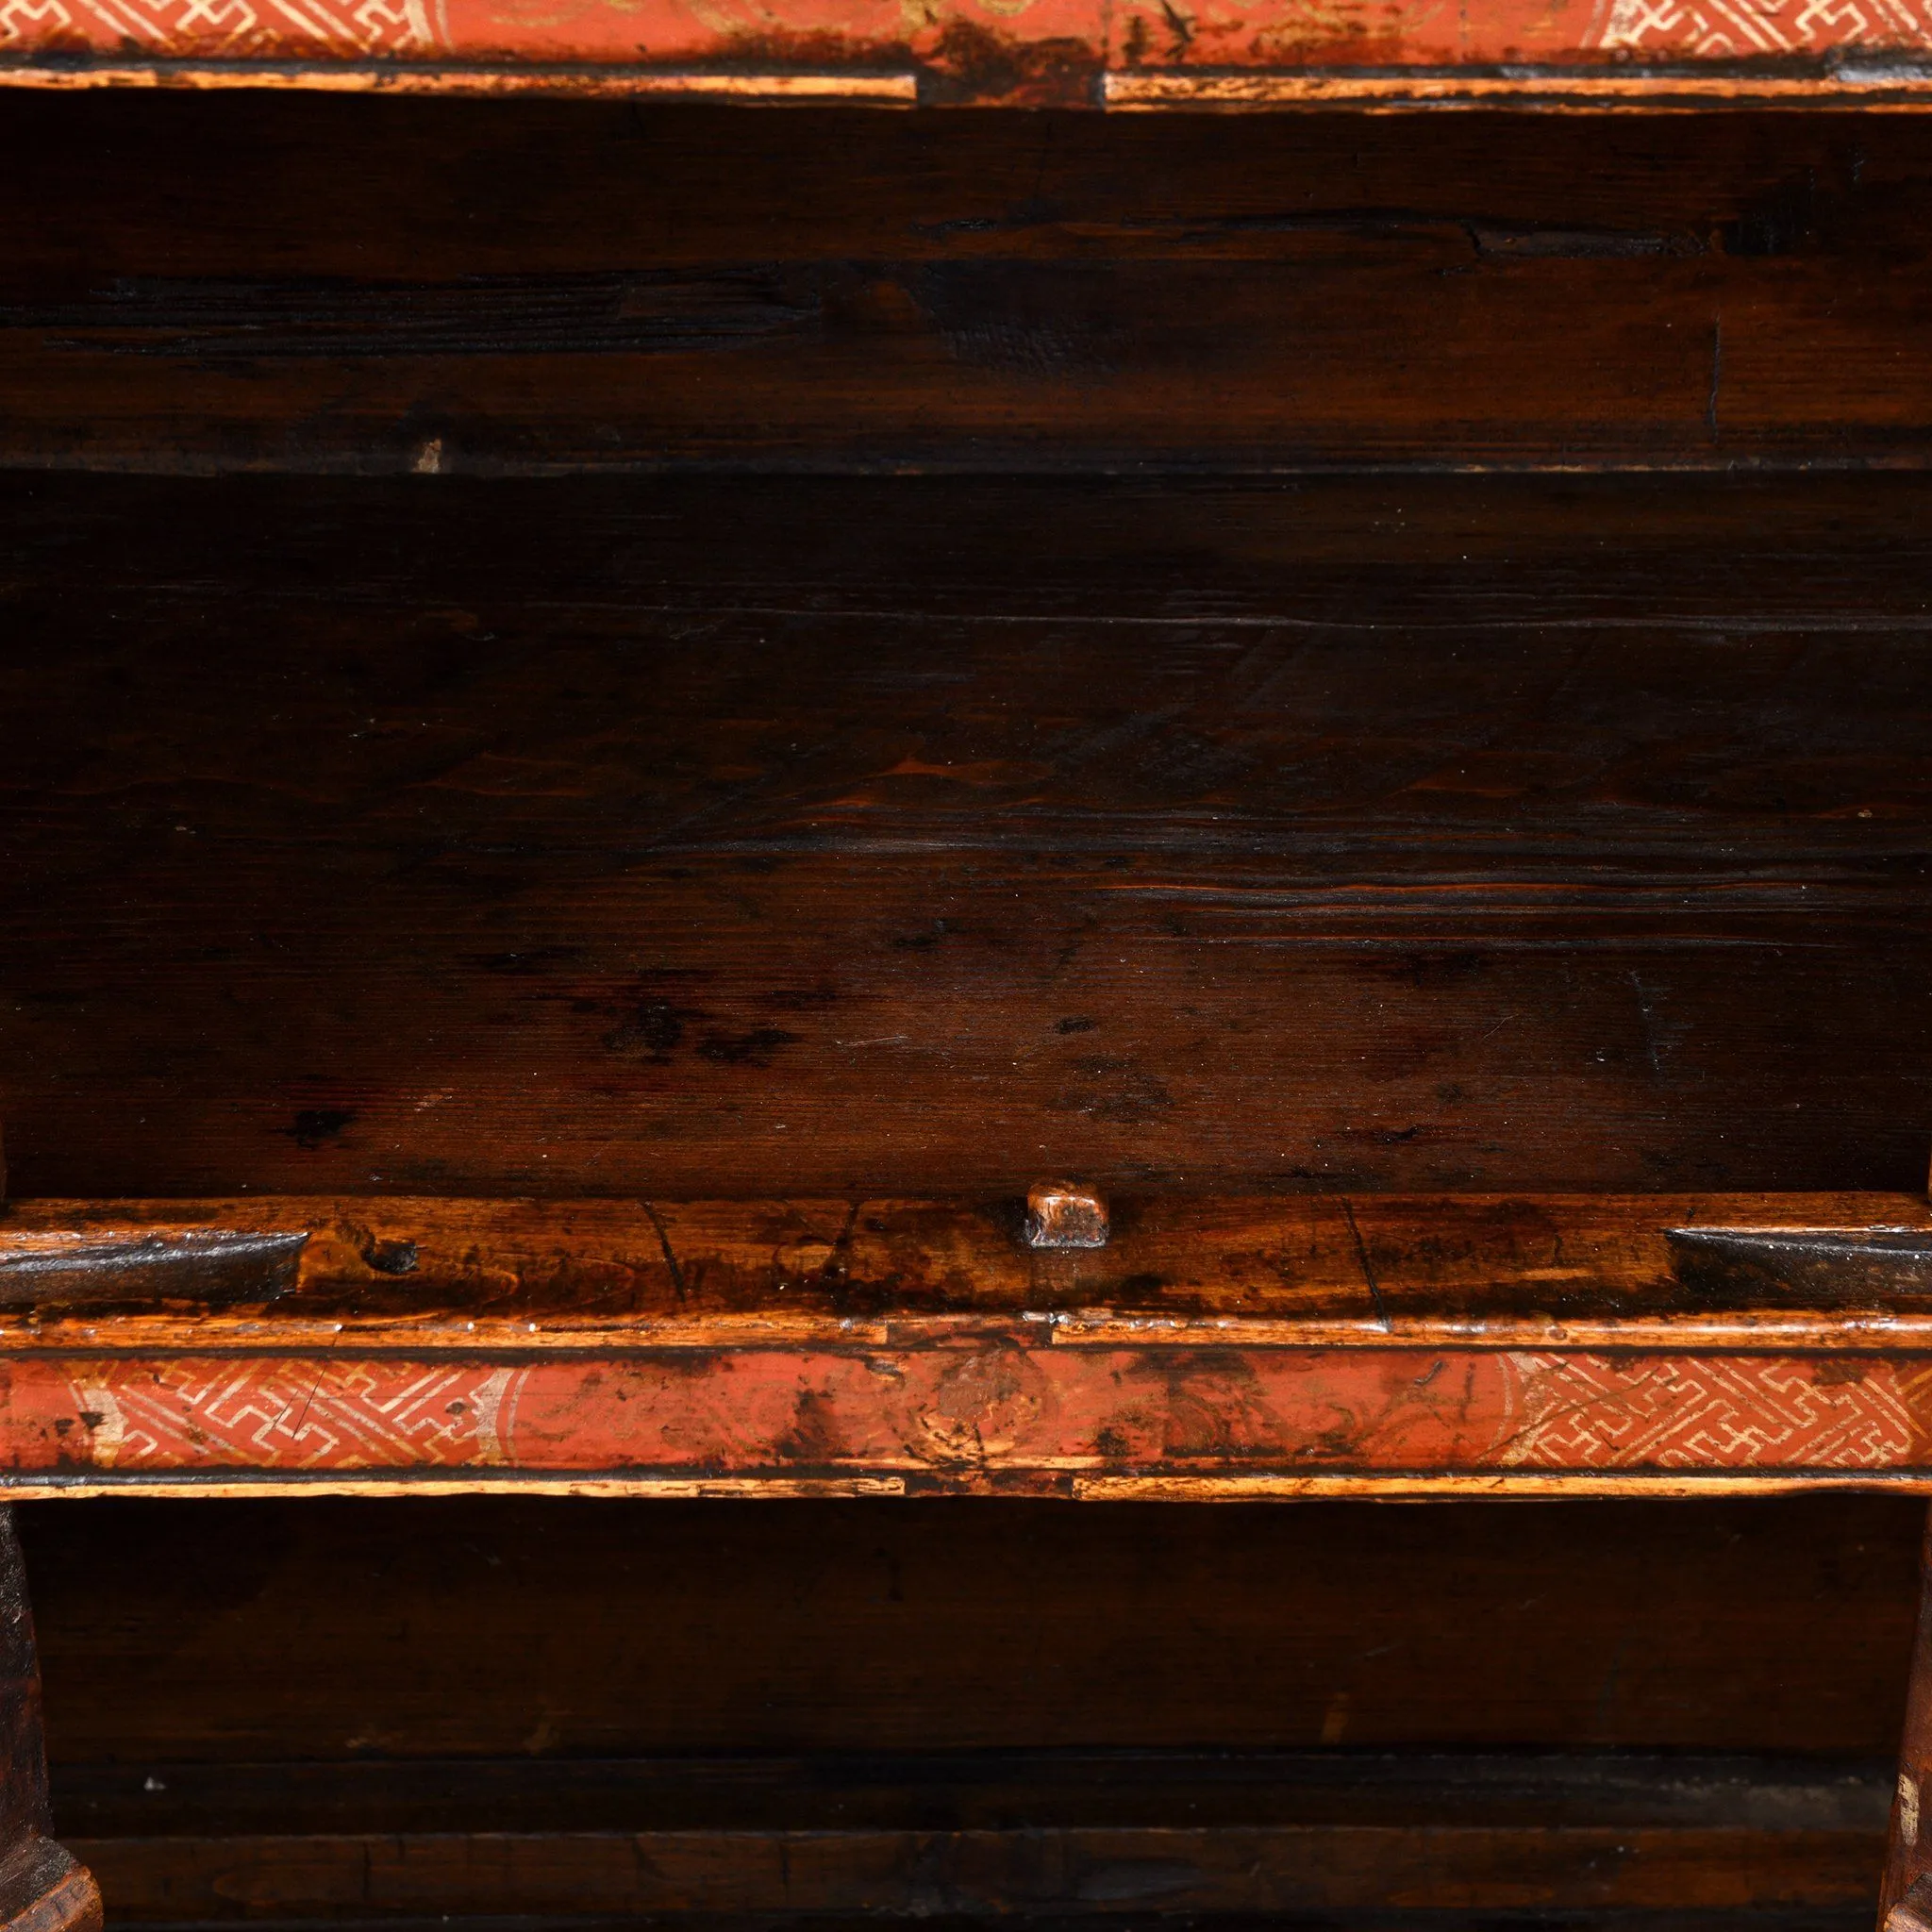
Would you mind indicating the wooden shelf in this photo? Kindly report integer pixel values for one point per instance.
(1213, 1349)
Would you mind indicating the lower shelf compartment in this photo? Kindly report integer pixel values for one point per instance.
(533, 1712)
(982, 1834)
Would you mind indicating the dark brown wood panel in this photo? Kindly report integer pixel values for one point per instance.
(331, 1630)
(1421, 836)
(24, 1813)
(981, 1790)
(388, 285)
(1100, 1869)
(1080, 1832)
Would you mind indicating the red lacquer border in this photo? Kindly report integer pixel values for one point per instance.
(968, 1414)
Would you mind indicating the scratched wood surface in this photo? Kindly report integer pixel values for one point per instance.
(884, 292)
(476, 1277)
(917, 840)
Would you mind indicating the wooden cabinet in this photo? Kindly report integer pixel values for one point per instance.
(816, 927)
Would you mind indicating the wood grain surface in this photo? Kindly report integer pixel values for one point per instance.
(884, 292)
(803, 865)
(1902, 1893)
(974, 1874)
(919, 840)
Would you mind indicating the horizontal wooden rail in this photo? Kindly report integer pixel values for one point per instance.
(1212, 1347)
(1069, 53)
(1898, 82)
(1102, 1832)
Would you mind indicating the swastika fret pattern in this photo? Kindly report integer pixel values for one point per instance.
(1706, 1412)
(963, 1412)
(219, 29)
(298, 1415)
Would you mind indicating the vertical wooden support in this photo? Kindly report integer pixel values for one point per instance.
(1905, 1904)
(43, 1888)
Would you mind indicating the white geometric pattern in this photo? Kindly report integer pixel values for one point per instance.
(1702, 1412)
(292, 1415)
(32, 20)
(228, 28)
(1737, 29)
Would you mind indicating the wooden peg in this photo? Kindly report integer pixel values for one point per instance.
(1061, 1214)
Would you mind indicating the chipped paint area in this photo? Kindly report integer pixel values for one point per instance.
(967, 1414)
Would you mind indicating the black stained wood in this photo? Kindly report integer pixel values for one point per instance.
(981, 1791)
(1809, 1267)
(1903, 1894)
(23, 1812)
(208, 1268)
(339, 1632)
(1808, 1918)
(350, 284)
(1170, 1868)
(928, 837)
(1103, 1832)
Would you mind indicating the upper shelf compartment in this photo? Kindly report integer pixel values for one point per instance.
(1143, 53)
(705, 838)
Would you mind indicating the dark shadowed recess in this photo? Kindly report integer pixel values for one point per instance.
(571, 1711)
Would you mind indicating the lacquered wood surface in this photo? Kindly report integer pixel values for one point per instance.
(1211, 1349)
(1033, 53)
(802, 873)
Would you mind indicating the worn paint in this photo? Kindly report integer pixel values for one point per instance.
(1140, 53)
(969, 1414)
(781, 1346)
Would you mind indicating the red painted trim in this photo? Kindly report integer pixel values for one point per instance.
(1067, 52)
(996, 1407)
